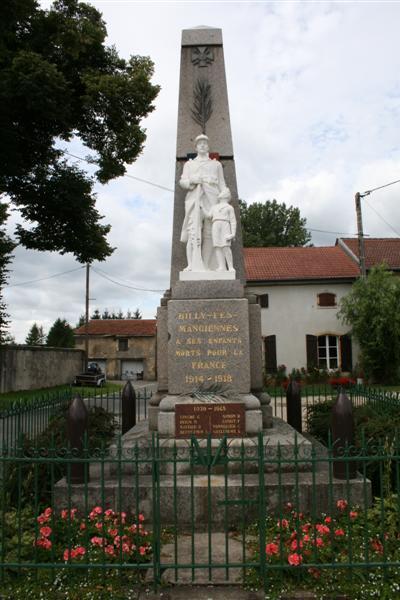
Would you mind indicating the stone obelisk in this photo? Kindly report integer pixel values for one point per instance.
(208, 328)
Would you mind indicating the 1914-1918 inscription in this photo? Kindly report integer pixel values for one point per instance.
(201, 420)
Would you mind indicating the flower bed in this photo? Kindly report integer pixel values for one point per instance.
(348, 546)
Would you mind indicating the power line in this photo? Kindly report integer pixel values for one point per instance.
(334, 232)
(44, 278)
(157, 185)
(105, 276)
(367, 192)
(380, 216)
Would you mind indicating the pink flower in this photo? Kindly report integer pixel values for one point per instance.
(295, 559)
(82, 526)
(353, 514)
(109, 513)
(80, 551)
(142, 550)
(113, 532)
(99, 525)
(97, 541)
(109, 550)
(319, 542)
(126, 548)
(71, 514)
(141, 517)
(74, 553)
(48, 512)
(43, 543)
(284, 523)
(45, 531)
(306, 538)
(322, 529)
(328, 520)
(296, 544)
(341, 504)
(271, 548)
(339, 532)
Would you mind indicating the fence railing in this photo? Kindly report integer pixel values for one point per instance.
(200, 509)
(310, 396)
(32, 417)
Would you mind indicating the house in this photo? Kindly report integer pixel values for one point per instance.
(123, 348)
(299, 291)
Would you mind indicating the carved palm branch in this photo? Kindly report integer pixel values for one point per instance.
(202, 104)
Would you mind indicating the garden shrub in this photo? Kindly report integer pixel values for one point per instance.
(377, 428)
(100, 536)
(30, 482)
(297, 544)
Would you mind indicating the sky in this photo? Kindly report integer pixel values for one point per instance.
(314, 100)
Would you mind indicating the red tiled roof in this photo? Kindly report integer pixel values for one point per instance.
(285, 264)
(128, 327)
(377, 251)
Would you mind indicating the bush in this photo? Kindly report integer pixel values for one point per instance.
(68, 536)
(30, 482)
(348, 535)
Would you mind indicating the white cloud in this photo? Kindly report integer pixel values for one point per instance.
(314, 95)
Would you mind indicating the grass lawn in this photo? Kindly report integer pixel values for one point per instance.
(9, 397)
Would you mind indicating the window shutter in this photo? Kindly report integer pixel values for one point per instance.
(262, 300)
(312, 351)
(346, 353)
(270, 354)
(326, 299)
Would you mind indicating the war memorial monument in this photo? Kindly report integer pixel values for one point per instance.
(210, 401)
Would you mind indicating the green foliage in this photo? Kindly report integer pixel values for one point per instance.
(272, 224)
(30, 482)
(6, 248)
(59, 81)
(372, 310)
(61, 335)
(347, 536)
(36, 336)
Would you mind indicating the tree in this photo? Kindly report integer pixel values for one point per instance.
(372, 310)
(59, 82)
(272, 224)
(81, 321)
(36, 336)
(6, 248)
(137, 314)
(61, 335)
(96, 314)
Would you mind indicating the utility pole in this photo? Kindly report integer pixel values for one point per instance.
(87, 317)
(361, 246)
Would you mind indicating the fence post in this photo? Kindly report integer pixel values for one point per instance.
(128, 407)
(77, 426)
(293, 405)
(342, 424)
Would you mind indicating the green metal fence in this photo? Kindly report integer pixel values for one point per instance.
(32, 417)
(201, 509)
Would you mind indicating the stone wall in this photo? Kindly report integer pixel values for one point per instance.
(34, 367)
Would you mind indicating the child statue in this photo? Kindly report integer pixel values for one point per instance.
(223, 229)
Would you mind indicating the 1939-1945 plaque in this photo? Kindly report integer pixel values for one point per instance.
(213, 419)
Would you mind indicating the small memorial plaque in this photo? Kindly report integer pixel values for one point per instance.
(200, 420)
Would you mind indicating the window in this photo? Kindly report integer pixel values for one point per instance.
(326, 299)
(328, 352)
(262, 300)
(123, 344)
(270, 354)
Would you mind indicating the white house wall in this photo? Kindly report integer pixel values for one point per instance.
(293, 312)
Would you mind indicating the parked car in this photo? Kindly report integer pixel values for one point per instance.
(92, 376)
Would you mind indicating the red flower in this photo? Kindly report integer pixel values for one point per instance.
(319, 542)
(353, 514)
(339, 532)
(296, 544)
(284, 523)
(322, 529)
(43, 543)
(45, 531)
(342, 504)
(377, 546)
(328, 520)
(271, 548)
(295, 559)
(142, 550)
